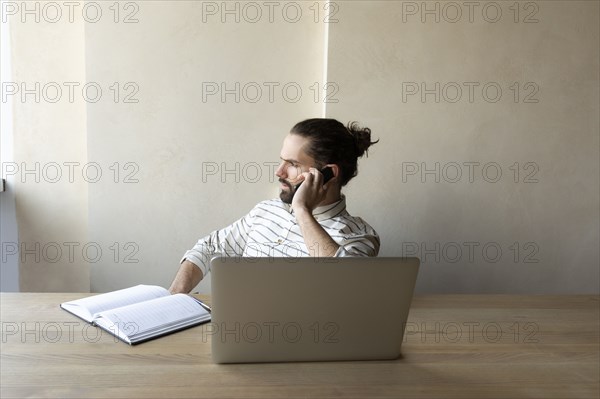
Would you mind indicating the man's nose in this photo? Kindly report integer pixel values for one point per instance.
(280, 172)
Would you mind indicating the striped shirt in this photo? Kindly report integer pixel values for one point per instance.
(271, 229)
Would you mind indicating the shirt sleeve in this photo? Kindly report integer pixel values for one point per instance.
(365, 243)
(229, 241)
(364, 246)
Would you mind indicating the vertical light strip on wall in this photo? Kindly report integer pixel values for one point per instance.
(325, 59)
(9, 270)
(6, 106)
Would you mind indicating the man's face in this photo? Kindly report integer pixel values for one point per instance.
(294, 162)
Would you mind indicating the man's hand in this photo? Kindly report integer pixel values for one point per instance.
(309, 195)
(311, 192)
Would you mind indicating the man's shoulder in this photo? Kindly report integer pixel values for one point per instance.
(355, 224)
(271, 205)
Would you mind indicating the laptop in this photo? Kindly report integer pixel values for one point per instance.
(309, 309)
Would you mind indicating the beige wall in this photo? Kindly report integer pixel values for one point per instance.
(49, 141)
(157, 193)
(543, 220)
(180, 145)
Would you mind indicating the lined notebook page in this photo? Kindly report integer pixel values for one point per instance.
(119, 298)
(155, 313)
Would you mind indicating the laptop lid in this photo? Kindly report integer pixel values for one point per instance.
(309, 309)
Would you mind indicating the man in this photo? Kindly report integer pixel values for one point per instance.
(309, 218)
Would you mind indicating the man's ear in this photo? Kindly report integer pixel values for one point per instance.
(335, 169)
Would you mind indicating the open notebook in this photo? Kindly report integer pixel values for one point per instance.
(140, 313)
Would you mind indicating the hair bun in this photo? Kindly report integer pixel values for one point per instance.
(362, 138)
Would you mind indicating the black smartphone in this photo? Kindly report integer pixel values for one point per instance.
(327, 173)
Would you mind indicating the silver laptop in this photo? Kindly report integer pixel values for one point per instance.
(309, 309)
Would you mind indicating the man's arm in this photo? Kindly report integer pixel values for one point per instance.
(309, 195)
(188, 276)
(318, 242)
(195, 265)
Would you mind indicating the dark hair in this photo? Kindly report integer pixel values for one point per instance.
(330, 142)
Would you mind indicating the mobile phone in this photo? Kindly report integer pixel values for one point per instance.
(327, 173)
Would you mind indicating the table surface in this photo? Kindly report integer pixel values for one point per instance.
(456, 346)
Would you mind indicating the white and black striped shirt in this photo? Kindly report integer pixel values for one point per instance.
(270, 229)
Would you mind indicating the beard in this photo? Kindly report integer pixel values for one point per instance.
(287, 195)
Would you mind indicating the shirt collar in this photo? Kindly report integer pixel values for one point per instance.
(326, 211)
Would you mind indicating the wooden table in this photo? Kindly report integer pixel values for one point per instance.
(457, 346)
